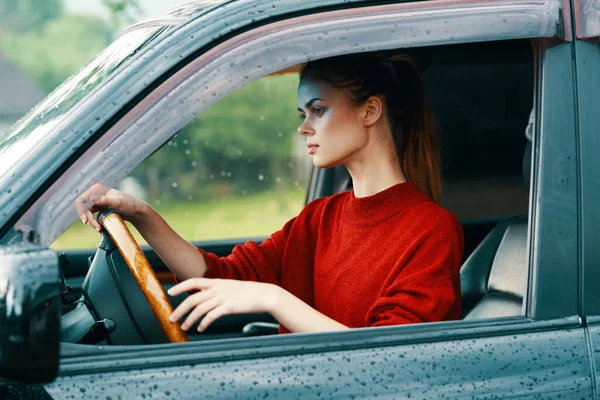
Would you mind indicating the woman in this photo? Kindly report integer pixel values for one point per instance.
(384, 253)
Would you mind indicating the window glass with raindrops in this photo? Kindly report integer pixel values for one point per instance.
(238, 170)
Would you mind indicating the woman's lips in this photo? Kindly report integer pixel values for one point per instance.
(312, 148)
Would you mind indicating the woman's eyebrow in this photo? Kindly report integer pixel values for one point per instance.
(309, 103)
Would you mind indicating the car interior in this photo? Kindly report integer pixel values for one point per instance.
(482, 98)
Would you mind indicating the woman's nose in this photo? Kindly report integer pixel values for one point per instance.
(304, 129)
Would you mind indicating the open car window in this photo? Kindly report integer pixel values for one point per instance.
(238, 170)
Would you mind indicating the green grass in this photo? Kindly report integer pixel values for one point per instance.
(227, 218)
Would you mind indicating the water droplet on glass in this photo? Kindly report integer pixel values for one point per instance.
(262, 118)
(193, 163)
(174, 184)
(261, 177)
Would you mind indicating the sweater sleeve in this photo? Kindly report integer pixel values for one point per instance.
(427, 287)
(251, 261)
(263, 262)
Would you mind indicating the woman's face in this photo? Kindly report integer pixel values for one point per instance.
(332, 126)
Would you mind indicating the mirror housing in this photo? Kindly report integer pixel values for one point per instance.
(29, 313)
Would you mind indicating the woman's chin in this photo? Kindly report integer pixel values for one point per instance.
(320, 163)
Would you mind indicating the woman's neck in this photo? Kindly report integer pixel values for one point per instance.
(375, 173)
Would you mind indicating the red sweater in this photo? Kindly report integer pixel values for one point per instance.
(390, 258)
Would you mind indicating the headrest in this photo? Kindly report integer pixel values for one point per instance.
(527, 154)
(509, 268)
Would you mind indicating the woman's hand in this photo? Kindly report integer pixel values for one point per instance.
(99, 196)
(218, 297)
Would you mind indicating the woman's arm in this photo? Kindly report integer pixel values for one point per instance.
(219, 297)
(249, 261)
(298, 316)
(179, 255)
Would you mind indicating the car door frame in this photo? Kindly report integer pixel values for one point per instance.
(546, 317)
(586, 60)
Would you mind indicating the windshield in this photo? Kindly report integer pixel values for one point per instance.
(18, 140)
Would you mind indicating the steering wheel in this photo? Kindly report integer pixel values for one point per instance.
(143, 273)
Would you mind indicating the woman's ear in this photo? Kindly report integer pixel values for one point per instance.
(373, 110)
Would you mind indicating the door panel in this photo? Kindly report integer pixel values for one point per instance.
(594, 338)
(530, 365)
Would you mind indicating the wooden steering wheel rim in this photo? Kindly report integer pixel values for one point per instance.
(143, 273)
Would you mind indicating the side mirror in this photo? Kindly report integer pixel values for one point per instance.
(29, 313)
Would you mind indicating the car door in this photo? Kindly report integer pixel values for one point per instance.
(587, 59)
(542, 353)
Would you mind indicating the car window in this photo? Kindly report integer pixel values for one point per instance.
(238, 170)
(17, 141)
(481, 109)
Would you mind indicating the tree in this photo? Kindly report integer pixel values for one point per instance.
(123, 12)
(244, 141)
(28, 15)
(57, 51)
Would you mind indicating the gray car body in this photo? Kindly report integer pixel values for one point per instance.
(549, 352)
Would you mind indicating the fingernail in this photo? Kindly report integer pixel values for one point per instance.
(171, 319)
(200, 328)
(170, 292)
(98, 228)
(184, 327)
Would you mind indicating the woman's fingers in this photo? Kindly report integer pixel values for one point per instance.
(91, 221)
(199, 311)
(192, 284)
(212, 316)
(83, 204)
(95, 204)
(87, 203)
(189, 303)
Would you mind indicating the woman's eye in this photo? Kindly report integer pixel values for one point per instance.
(302, 116)
(318, 111)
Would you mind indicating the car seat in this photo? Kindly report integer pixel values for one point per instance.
(494, 277)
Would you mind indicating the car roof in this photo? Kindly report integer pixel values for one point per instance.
(178, 15)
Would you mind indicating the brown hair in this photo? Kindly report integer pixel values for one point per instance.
(411, 120)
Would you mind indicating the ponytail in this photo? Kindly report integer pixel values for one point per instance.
(411, 120)
(414, 133)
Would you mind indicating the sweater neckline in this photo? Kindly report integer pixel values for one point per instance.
(371, 210)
